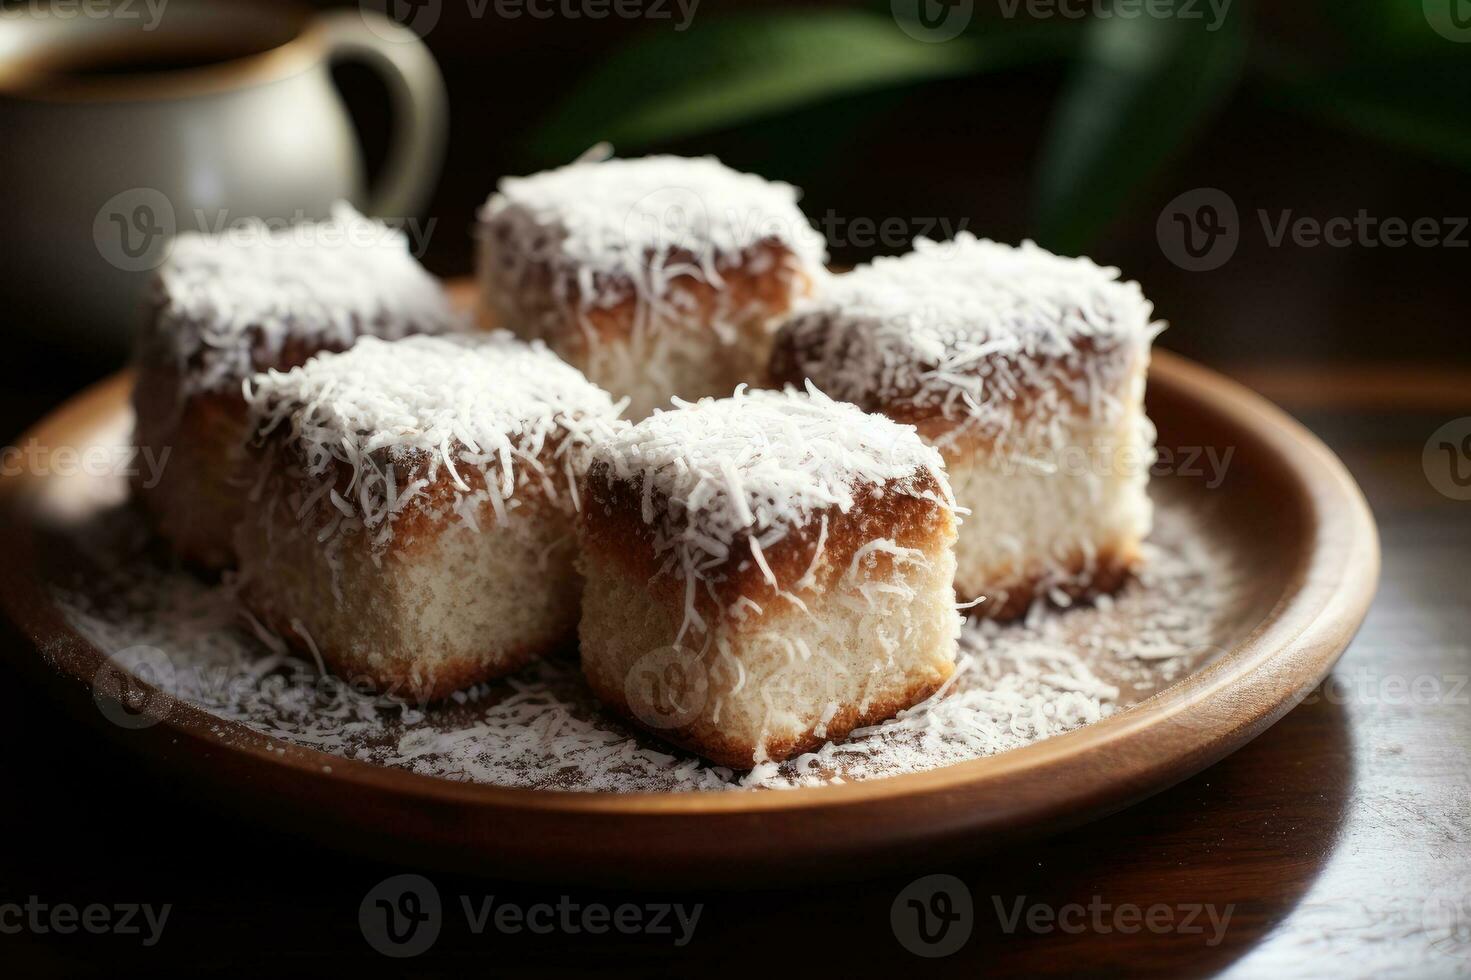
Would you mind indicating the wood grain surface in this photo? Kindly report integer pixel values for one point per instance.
(1284, 508)
(1336, 841)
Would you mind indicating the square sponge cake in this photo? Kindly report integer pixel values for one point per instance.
(412, 519)
(766, 572)
(252, 298)
(655, 276)
(1026, 370)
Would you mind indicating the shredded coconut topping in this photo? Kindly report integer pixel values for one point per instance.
(394, 413)
(650, 218)
(230, 303)
(756, 465)
(542, 728)
(962, 329)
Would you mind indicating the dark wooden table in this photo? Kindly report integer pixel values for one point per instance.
(1338, 843)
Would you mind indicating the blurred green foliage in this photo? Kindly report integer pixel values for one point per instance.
(1137, 89)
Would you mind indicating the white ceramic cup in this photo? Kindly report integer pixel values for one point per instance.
(123, 123)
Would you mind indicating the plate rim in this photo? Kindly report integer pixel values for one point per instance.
(1298, 640)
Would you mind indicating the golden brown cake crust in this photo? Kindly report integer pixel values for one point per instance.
(612, 524)
(1061, 399)
(197, 499)
(417, 523)
(1048, 391)
(764, 281)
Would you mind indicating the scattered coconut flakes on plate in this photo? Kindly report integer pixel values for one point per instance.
(540, 728)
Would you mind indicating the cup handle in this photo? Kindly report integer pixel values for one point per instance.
(416, 88)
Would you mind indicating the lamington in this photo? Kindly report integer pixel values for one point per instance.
(248, 299)
(766, 572)
(411, 518)
(1027, 371)
(659, 276)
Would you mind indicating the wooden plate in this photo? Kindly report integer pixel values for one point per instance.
(1295, 515)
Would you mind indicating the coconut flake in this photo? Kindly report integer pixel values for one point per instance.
(229, 303)
(960, 330)
(757, 465)
(1016, 683)
(385, 411)
(637, 221)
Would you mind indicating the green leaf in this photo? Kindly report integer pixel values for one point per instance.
(1419, 103)
(1385, 26)
(1144, 86)
(722, 72)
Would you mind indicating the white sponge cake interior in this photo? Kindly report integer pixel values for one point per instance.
(413, 519)
(250, 298)
(766, 572)
(656, 276)
(1026, 369)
